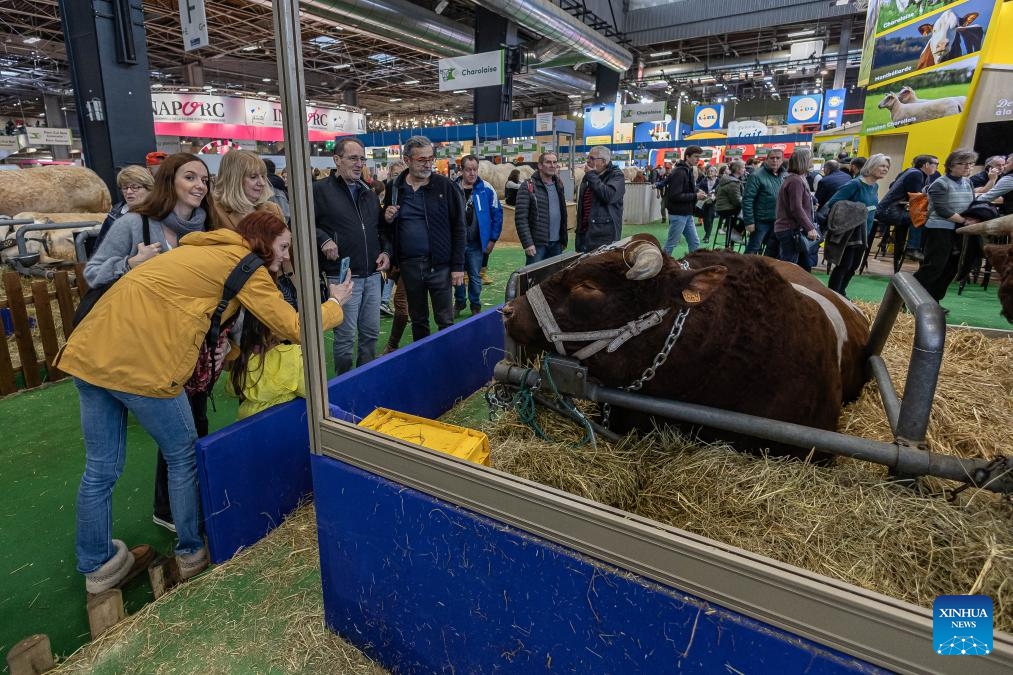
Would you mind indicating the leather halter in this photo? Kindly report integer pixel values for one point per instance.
(609, 339)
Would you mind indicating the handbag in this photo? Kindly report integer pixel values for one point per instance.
(205, 373)
(92, 296)
(918, 208)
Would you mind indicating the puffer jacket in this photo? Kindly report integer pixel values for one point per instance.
(605, 221)
(143, 336)
(532, 215)
(728, 198)
(759, 197)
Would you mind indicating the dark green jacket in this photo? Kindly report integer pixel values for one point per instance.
(759, 198)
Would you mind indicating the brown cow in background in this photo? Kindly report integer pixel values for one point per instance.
(1000, 255)
(761, 336)
(53, 189)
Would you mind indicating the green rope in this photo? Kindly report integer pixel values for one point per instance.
(527, 408)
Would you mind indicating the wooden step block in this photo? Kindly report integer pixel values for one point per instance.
(105, 610)
(164, 575)
(31, 656)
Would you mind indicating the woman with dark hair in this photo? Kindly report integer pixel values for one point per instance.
(513, 183)
(134, 351)
(795, 211)
(267, 372)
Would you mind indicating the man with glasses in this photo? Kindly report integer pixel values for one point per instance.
(599, 201)
(892, 208)
(541, 211)
(348, 226)
(424, 218)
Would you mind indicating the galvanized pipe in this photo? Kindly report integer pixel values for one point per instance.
(19, 236)
(904, 459)
(926, 353)
(887, 392)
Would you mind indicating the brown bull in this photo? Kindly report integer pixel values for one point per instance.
(1001, 257)
(759, 336)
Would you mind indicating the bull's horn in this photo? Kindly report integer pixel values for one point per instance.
(647, 262)
(1000, 225)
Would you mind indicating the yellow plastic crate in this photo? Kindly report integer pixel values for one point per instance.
(454, 440)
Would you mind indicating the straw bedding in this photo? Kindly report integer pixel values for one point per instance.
(845, 521)
(260, 612)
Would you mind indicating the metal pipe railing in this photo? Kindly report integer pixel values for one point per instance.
(32, 226)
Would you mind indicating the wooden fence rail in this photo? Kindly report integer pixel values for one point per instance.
(50, 336)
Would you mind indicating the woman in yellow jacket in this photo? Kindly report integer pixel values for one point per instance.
(135, 350)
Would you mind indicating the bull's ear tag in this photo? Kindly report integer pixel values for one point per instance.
(690, 296)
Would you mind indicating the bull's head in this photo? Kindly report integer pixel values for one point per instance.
(607, 290)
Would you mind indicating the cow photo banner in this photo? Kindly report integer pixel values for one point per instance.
(931, 40)
(923, 63)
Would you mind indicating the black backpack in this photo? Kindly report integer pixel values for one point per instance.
(89, 299)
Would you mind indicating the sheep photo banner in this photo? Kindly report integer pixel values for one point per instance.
(924, 65)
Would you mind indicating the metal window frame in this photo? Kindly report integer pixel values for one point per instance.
(869, 626)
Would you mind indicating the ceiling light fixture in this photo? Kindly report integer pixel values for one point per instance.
(394, 100)
(800, 33)
(659, 54)
(411, 81)
(31, 40)
(342, 66)
(250, 48)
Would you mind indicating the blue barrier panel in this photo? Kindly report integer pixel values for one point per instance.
(254, 473)
(251, 475)
(427, 377)
(424, 586)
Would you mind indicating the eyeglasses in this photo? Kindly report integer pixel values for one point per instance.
(963, 164)
(133, 188)
(596, 159)
(354, 159)
(424, 160)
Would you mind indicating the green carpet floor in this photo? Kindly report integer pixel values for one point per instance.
(41, 459)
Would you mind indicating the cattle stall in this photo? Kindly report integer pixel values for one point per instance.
(430, 563)
(907, 456)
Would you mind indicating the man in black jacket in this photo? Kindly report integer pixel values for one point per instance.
(424, 217)
(892, 208)
(682, 195)
(348, 225)
(541, 212)
(833, 178)
(599, 201)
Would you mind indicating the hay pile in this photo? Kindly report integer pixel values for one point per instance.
(845, 521)
(260, 612)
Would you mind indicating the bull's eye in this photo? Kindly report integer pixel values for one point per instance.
(588, 292)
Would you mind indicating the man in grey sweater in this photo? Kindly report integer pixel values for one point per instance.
(541, 211)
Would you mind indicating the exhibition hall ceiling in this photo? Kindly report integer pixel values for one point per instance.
(395, 77)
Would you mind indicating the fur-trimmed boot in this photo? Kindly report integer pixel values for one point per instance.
(114, 571)
(192, 564)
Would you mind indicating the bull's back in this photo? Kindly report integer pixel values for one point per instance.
(53, 189)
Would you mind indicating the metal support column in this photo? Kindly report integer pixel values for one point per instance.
(492, 32)
(292, 81)
(55, 117)
(108, 56)
(842, 53)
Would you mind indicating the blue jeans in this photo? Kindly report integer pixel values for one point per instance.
(678, 226)
(388, 290)
(759, 238)
(786, 248)
(362, 320)
(104, 425)
(543, 251)
(473, 256)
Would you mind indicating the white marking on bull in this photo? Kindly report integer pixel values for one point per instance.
(833, 315)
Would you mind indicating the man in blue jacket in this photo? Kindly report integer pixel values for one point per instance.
(423, 216)
(483, 221)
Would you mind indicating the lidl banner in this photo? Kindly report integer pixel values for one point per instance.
(933, 39)
(599, 122)
(805, 109)
(473, 70)
(833, 107)
(708, 117)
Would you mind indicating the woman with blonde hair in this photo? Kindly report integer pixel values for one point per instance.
(135, 183)
(241, 187)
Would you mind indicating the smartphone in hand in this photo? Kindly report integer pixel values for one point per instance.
(346, 262)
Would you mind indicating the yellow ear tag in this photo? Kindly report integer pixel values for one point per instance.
(690, 296)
